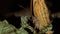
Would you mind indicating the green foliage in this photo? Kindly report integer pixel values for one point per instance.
(22, 31)
(47, 28)
(25, 25)
(6, 28)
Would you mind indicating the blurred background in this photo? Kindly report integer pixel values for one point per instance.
(54, 10)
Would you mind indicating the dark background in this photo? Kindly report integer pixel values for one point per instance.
(54, 7)
(11, 6)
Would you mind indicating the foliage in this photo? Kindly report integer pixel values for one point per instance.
(6, 28)
(45, 29)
